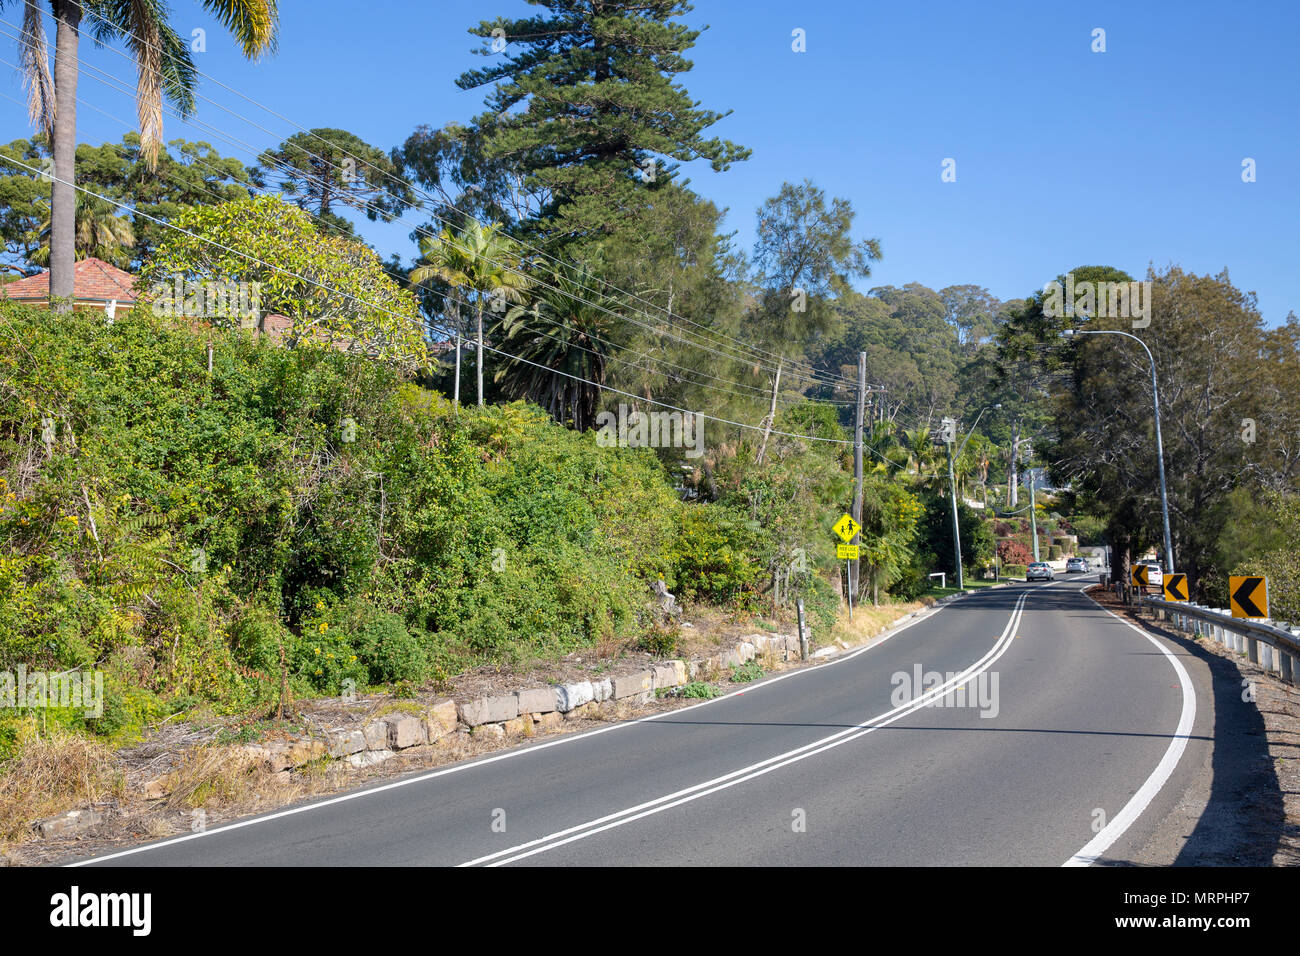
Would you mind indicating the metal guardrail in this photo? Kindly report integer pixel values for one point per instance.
(1281, 641)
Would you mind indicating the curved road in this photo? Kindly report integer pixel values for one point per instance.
(1070, 739)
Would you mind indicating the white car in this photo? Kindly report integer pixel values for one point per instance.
(1077, 564)
(1038, 571)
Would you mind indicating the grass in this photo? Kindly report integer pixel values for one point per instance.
(54, 772)
(214, 776)
(971, 584)
(695, 689)
(868, 621)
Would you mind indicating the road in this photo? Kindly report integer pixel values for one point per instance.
(1082, 742)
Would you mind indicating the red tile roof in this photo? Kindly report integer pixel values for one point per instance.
(92, 280)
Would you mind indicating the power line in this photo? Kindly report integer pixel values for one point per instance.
(398, 278)
(810, 371)
(382, 308)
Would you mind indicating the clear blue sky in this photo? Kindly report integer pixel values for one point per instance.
(1064, 156)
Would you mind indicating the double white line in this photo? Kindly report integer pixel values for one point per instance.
(745, 774)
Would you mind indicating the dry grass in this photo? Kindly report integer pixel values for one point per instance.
(55, 772)
(868, 621)
(214, 777)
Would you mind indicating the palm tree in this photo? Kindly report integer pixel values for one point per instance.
(886, 455)
(163, 66)
(568, 336)
(101, 233)
(479, 259)
(921, 451)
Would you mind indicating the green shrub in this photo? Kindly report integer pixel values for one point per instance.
(713, 558)
(660, 640)
(257, 637)
(235, 520)
(128, 710)
(748, 671)
(383, 645)
(821, 602)
(913, 580)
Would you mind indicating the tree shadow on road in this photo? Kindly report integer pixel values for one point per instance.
(1243, 820)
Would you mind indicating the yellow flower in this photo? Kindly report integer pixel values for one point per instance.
(316, 649)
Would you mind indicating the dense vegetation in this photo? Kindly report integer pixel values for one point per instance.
(186, 528)
(332, 511)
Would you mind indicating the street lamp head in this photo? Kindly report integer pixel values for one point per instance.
(998, 405)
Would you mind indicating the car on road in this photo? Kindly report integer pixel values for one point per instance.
(1038, 571)
(1077, 564)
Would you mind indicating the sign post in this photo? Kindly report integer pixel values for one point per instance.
(846, 528)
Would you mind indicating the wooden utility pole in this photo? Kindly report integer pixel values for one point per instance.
(857, 466)
(771, 413)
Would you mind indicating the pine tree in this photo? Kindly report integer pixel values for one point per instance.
(584, 102)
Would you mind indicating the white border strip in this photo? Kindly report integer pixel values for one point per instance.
(1098, 845)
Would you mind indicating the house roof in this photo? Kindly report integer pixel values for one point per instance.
(92, 280)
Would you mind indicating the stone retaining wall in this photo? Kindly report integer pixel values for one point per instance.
(520, 712)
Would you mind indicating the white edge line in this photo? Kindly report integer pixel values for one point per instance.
(518, 751)
(1094, 848)
(735, 777)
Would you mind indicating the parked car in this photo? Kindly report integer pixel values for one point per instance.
(1077, 564)
(1038, 571)
(1155, 576)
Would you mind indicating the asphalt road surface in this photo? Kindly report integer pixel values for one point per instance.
(1071, 738)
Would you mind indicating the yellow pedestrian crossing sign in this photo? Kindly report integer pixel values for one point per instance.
(846, 528)
(847, 552)
(1248, 595)
(1175, 587)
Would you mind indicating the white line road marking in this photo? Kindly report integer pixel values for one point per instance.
(461, 767)
(1103, 841)
(736, 777)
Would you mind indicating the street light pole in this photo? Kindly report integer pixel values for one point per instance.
(1033, 513)
(952, 490)
(956, 530)
(1160, 445)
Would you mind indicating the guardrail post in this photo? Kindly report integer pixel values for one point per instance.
(1252, 649)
